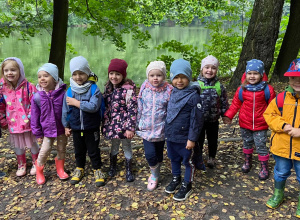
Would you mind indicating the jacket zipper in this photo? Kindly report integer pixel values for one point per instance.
(153, 113)
(291, 139)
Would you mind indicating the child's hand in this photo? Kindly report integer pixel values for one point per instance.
(226, 120)
(68, 132)
(287, 128)
(190, 145)
(73, 102)
(294, 132)
(40, 140)
(129, 134)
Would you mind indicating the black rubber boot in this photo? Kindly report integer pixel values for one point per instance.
(113, 165)
(129, 173)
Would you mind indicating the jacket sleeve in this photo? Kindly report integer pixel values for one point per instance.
(130, 123)
(93, 104)
(35, 119)
(196, 119)
(235, 105)
(273, 117)
(224, 101)
(65, 111)
(272, 93)
(3, 121)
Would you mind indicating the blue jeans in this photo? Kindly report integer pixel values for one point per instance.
(283, 166)
(154, 152)
(178, 153)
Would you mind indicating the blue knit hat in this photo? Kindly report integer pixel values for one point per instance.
(255, 65)
(181, 66)
(294, 69)
(51, 69)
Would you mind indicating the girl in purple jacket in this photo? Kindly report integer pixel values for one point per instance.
(152, 111)
(46, 114)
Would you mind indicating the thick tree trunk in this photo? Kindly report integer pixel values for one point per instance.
(261, 37)
(290, 45)
(59, 35)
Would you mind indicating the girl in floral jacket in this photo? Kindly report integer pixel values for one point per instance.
(17, 93)
(120, 114)
(152, 110)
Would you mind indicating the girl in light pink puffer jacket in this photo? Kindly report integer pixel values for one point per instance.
(152, 110)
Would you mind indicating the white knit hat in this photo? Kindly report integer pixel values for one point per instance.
(51, 69)
(210, 60)
(81, 64)
(156, 65)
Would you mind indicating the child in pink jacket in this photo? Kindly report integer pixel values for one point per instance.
(17, 93)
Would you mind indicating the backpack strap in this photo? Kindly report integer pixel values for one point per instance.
(217, 87)
(280, 101)
(241, 94)
(267, 93)
(37, 99)
(128, 95)
(93, 88)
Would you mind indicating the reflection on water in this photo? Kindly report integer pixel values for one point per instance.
(99, 53)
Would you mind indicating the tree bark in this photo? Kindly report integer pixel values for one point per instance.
(290, 45)
(59, 35)
(261, 37)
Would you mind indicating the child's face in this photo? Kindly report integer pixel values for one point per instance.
(180, 81)
(209, 71)
(11, 72)
(295, 83)
(79, 77)
(115, 78)
(155, 77)
(253, 77)
(46, 81)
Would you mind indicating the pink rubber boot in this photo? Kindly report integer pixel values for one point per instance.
(21, 165)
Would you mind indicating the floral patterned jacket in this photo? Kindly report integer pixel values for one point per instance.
(120, 110)
(152, 111)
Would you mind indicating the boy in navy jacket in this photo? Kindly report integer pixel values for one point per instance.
(183, 125)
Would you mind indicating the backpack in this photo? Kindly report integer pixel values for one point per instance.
(217, 87)
(266, 91)
(93, 89)
(280, 100)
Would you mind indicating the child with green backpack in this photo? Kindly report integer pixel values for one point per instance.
(284, 120)
(215, 103)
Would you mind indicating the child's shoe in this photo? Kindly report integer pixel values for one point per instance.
(99, 178)
(264, 172)
(248, 160)
(60, 169)
(77, 175)
(113, 165)
(33, 168)
(40, 178)
(184, 191)
(21, 165)
(298, 208)
(173, 185)
(2, 174)
(210, 163)
(129, 173)
(278, 196)
(154, 177)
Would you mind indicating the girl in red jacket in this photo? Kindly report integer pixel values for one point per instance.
(252, 99)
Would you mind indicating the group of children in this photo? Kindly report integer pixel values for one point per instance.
(181, 115)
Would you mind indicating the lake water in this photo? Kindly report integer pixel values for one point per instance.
(99, 52)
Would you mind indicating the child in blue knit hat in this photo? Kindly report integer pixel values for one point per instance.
(182, 128)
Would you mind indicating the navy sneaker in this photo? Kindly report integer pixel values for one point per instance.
(184, 191)
(173, 185)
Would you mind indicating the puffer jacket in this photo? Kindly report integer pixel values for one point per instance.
(282, 144)
(251, 109)
(87, 117)
(46, 113)
(152, 111)
(120, 110)
(214, 105)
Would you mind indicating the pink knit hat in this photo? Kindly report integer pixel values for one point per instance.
(210, 60)
(119, 66)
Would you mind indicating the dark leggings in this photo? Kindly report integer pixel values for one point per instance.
(211, 129)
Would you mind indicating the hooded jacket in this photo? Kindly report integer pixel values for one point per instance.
(17, 100)
(46, 113)
(282, 144)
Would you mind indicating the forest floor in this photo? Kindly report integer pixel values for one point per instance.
(220, 193)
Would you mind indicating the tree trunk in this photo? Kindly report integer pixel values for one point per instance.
(261, 37)
(290, 45)
(59, 35)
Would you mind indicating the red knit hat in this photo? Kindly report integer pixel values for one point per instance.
(119, 66)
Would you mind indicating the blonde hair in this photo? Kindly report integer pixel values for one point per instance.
(14, 63)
